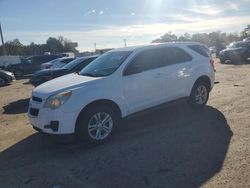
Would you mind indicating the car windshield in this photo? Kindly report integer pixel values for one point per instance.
(54, 61)
(73, 63)
(106, 64)
(237, 45)
(27, 60)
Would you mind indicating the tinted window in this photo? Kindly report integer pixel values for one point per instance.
(199, 49)
(238, 45)
(149, 59)
(67, 60)
(155, 58)
(43, 59)
(173, 55)
(84, 64)
(73, 63)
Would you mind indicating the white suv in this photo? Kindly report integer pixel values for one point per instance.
(119, 83)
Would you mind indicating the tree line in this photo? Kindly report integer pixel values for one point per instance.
(53, 45)
(218, 38)
(60, 44)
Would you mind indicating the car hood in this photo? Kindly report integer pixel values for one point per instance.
(70, 81)
(5, 72)
(50, 71)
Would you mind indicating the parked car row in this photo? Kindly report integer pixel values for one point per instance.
(30, 64)
(119, 83)
(56, 63)
(45, 75)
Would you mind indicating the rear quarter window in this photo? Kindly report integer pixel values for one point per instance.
(199, 49)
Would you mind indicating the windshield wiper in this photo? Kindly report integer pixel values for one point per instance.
(88, 74)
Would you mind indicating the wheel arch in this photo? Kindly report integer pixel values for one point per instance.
(203, 78)
(105, 102)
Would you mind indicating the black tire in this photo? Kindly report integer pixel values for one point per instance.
(2, 81)
(244, 58)
(194, 100)
(87, 117)
(18, 73)
(222, 60)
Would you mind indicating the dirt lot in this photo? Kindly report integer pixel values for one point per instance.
(173, 146)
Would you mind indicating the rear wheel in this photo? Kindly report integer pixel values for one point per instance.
(96, 124)
(199, 95)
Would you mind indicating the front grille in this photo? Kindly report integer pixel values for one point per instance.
(37, 99)
(33, 111)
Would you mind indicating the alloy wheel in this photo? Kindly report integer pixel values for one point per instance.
(201, 95)
(100, 125)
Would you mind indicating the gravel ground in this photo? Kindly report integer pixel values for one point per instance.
(171, 146)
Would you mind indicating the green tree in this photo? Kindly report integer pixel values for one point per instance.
(168, 37)
(54, 45)
(185, 37)
(246, 32)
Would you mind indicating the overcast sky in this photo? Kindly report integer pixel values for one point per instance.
(108, 22)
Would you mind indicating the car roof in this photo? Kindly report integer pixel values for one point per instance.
(239, 42)
(153, 45)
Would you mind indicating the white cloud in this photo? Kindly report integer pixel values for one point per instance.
(90, 12)
(234, 6)
(101, 12)
(112, 36)
(205, 9)
(132, 14)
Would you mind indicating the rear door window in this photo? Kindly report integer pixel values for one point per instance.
(174, 55)
(199, 49)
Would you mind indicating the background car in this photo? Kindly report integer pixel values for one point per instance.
(247, 39)
(30, 64)
(74, 66)
(6, 77)
(236, 52)
(57, 63)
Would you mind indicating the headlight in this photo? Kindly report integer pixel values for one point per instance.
(55, 101)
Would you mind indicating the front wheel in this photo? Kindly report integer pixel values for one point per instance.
(96, 124)
(2, 81)
(18, 73)
(199, 95)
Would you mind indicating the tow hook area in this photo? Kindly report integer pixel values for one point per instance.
(54, 125)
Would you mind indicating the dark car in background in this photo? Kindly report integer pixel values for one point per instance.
(30, 64)
(57, 63)
(6, 77)
(236, 52)
(45, 75)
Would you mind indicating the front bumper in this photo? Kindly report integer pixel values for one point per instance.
(51, 121)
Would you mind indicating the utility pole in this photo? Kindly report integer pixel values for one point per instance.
(95, 46)
(125, 42)
(4, 51)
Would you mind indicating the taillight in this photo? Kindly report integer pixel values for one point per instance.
(212, 63)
